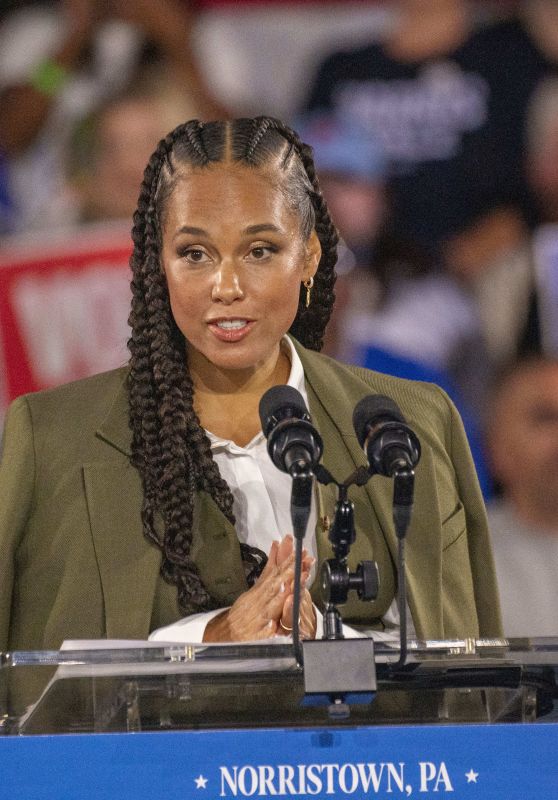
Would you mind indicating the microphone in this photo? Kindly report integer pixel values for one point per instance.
(382, 432)
(293, 443)
(294, 446)
(393, 450)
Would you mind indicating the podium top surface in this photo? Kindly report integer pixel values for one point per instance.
(275, 655)
(113, 685)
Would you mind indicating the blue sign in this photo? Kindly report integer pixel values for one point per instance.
(468, 762)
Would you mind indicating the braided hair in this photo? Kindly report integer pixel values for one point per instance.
(170, 449)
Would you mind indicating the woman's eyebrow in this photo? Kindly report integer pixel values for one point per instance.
(191, 230)
(266, 226)
(250, 230)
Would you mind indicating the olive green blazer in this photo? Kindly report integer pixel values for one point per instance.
(75, 564)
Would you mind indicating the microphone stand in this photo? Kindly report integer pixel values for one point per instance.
(336, 579)
(403, 491)
(301, 501)
(338, 674)
(294, 446)
(326, 682)
(393, 450)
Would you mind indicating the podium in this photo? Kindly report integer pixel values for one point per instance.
(464, 719)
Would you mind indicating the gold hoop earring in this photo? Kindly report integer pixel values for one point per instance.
(308, 284)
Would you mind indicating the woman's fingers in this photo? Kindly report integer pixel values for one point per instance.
(285, 548)
(308, 561)
(243, 621)
(307, 617)
(271, 559)
(256, 613)
(308, 621)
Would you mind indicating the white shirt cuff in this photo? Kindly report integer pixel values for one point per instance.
(189, 629)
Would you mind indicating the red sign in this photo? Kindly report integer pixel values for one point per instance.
(64, 305)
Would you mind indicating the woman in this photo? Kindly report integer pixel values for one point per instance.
(107, 533)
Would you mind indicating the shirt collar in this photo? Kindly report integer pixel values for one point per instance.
(296, 380)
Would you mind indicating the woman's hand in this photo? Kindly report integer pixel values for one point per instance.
(307, 615)
(257, 612)
(267, 608)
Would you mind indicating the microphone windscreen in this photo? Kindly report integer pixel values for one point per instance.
(278, 398)
(371, 410)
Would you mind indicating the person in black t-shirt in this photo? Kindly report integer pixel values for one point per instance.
(448, 103)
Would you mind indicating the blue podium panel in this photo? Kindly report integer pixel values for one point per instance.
(496, 762)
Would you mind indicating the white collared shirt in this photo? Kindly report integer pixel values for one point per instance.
(261, 492)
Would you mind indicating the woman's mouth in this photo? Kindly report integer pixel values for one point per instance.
(231, 330)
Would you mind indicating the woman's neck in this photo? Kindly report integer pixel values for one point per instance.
(227, 402)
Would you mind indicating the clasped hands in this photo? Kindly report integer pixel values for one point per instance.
(266, 609)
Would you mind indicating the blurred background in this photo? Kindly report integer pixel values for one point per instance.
(434, 125)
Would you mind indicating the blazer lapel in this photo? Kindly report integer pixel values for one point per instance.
(332, 397)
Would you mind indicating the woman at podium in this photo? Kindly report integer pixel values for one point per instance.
(145, 495)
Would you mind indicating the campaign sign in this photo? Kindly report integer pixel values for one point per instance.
(64, 305)
(468, 762)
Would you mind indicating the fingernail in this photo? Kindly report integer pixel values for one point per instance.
(282, 587)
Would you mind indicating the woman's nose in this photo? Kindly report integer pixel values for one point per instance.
(227, 286)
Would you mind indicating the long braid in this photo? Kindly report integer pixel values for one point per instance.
(310, 323)
(169, 447)
(142, 392)
(161, 399)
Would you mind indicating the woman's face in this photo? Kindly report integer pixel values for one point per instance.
(234, 259)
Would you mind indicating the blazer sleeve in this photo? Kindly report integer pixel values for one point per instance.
(478, 538)
(17, 478)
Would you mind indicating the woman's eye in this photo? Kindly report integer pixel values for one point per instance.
(194, 255)
(262, 251)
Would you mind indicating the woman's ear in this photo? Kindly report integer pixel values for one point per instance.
(313, 255)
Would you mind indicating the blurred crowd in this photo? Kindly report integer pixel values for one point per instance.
(435, 131)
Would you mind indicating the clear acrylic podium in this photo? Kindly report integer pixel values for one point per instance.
(165, 687)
